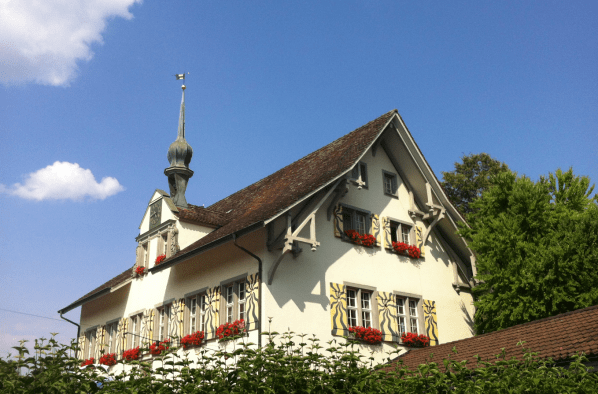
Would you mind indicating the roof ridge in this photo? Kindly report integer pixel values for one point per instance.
(305, 157)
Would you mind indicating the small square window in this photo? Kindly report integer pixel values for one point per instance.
(390, 183)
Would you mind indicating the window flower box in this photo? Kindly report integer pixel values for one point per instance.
(131, 354)
(140, 271)
(368, 335)
(160, 259)
(367, 240)
(228, 331)
(108, 359)
(410, 339)
(158, 347)
(89, 361)
(194, 339)
(412, 251)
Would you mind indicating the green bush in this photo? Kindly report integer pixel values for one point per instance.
(287, 364)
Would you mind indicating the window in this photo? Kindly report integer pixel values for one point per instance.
(135, 331)
(408, 314)
(359, 175)
(90, 342)
(354, 219)
(144, 255)
(390, 183)
(234, 299)
(197, 305)
(163, 319)
(111, 329)
(163, 245)
(400, 232)
(359, 307)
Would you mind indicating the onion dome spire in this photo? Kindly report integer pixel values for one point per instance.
(179, 156)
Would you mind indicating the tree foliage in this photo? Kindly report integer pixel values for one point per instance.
(537, 248)
(470, 179)
(297, 364)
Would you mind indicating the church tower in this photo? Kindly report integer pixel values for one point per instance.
(179, 156)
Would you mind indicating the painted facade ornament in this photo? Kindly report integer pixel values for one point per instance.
(173, 236)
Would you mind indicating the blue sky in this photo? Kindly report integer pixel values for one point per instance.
(89, 106)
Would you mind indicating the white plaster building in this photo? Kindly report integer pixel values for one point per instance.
(279, 248)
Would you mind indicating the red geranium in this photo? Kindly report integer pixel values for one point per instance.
(160, 259)
(228, 330)
(131, 354)
(140, 270)
(361, 239)
(370, 335)
(353, 235)
(158, 347)
(401, 247)
(89, 361)
(194, 339)
(413, 340)
(108, 359)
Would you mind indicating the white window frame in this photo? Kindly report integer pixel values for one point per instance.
(90, 342)
(163, 320)
(394, 183)
(409, 315)
(364, 315)
(111, 331)
(145, 258)
(397, 231)
(135, 327)
(233, 305)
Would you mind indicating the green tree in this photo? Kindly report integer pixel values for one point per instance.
(470, 179)
(537, 248)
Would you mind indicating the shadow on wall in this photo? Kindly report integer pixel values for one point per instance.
(468, 318)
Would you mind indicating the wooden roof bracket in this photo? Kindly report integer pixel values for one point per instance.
(292, 236)
(339, 192)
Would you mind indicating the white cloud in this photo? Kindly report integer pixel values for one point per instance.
(42, 40)
(64, 181)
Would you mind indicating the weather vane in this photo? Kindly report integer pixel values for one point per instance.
(181, 76)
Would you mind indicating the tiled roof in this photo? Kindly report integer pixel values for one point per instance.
(269, 196)
(201, 215)
(558, 337)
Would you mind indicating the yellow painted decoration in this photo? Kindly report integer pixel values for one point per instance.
(99, 343)
(430, 322)
(212, 312)
(252, 301)
(387, 316)
(338, 309)
(81, 345)
(376, 228)
(181, 319)
(419, 239)
(119, 336)
(173, 327)
(151, 313)
(338, 221)
(387, 236)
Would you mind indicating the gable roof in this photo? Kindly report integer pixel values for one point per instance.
(558, 337)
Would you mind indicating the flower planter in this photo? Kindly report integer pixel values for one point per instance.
(367, 240)
(409, 250)
(368, 335)
(228, 331)
(160, 259)
(140, 271)
(89, 361)
(108, 359)
(158, 347)
(131, 354)
(413, 340)
(191, 340)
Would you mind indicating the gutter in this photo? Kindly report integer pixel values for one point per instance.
(259, 290)
(72, 322)
(169, 263)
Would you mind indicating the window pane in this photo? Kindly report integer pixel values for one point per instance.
(393, 232)
(229, 295)
(360, 223)
(364, 173)
(413, 308)
(366, 318)
(352, 313)
(405, 233)
(414, 326)
(401, 306)
(347, 221)
(365, 300)
(229, 314)
(388, 184)
(401, 325)
(242, 291)
(351, 302)
(242, 311)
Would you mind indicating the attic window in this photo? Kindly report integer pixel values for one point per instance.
(390, 183)
(359, 175)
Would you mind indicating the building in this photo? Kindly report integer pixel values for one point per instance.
(283, 248)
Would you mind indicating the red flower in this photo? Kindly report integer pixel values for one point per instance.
(231, 329)
(370, 335)
(194, 339)
(413, 251)
(368, 240)
(160, 259)
(413, 340)
(89, 361)
(353, 235)
(108, 359)
(158, 347)
(131, 354)
(140, 270)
